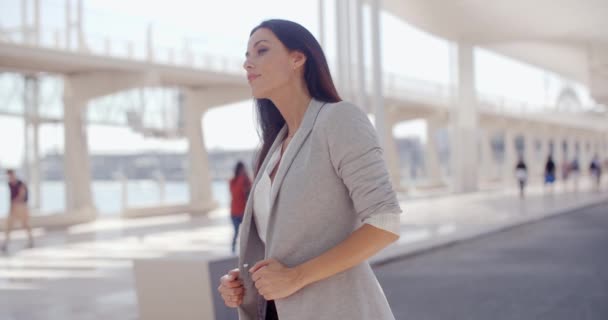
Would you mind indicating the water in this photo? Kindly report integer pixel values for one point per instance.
(107, 195)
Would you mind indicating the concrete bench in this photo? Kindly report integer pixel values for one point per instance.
(182, 288)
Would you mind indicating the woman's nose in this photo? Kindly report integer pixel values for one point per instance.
(247, 65)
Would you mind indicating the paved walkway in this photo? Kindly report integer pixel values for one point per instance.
(84, 272)
(553, 270)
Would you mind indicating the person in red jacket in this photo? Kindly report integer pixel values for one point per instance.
(240, 185)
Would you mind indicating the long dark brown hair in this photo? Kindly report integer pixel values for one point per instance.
(316, 74)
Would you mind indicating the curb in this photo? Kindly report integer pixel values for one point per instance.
(408, 250)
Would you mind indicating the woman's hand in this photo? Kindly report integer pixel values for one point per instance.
(231, 289)
(274, 280)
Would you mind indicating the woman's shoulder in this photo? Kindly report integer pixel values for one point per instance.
(342, 113)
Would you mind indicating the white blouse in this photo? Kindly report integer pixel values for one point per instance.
(263, 191)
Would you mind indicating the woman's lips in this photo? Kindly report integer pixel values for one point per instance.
(251, 77)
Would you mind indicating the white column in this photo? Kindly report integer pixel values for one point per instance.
(31, 126)
(391, 157)
(36, 26)
(199, 178)
(562, 154)
(347, 54)
(150, 43)
(321, 4)
(80, 26)
(361, 83)
(574, 154)
(432, 167)
(26, 125)
(487, 158)
(68, 24)
(463, 120)
(340, 50)
(510, 158)
(530, 153)
(77, 170)
(582, 150)
(377, 94)
(600, 148)
(25, 27)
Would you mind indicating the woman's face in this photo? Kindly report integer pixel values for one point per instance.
(269, 65)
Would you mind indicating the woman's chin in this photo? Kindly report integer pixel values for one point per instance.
(258, 95)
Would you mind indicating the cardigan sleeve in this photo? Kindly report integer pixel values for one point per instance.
(357, 158)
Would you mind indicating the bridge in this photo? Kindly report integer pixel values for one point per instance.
(91, 70)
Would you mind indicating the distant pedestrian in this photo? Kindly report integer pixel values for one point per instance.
(521, 173)
(240, 185)
(549, 172)
(595, 168)
(18, 209)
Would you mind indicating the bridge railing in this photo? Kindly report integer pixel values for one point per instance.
(151, 51)
(91, 44)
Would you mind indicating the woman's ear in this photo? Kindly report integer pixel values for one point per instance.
(298, 59)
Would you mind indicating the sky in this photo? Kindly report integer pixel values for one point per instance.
(222, 28)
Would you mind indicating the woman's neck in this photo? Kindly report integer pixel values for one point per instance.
(292, 104)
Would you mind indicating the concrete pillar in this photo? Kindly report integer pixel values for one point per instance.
(584, 153)
(321, 4)
(463, 120)
(25, 28)
(432, 167)
(340, 47)
(488, 166)
(36, 25)
(543, 153)
(80, 26)
(77, 172)
(348, 51)
(377, 94)
(195, 104)
(199, 178)
(150, 43)
(391, 156)
(360, 60)
(78, 91)
(510, 157)
(529, 150)
(32, 146)
(68, 24)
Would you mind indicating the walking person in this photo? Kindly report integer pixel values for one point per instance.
(549, 173)
(240, 185)
(595, 168)
(521, 173)
(322, 201)
(18, 209)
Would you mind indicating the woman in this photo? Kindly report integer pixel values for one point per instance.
(239, 190)
(321, 203)
(595, 168)
(521, 172)
(550, 172)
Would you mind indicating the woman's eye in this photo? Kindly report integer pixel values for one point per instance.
(261, 51)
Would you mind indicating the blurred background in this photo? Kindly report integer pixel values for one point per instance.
(111, 110)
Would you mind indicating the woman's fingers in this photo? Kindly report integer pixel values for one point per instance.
(232, 300)
(230, 282)
(235, 273)
(231, 289)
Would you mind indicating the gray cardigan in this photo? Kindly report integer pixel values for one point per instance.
(331, 178)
